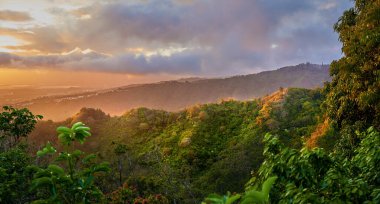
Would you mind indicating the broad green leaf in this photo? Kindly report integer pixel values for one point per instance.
(64, 130)
(257, 197)
(233, 198)
(268, 185)
(76, 125)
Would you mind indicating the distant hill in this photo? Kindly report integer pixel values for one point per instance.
(11, 94)
(179, 94)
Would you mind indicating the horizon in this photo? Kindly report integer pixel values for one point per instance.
(106, 44)
(60, 102)
(83, 88)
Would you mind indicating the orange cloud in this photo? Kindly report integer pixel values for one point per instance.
(44, 39)
(50, 77)
(7, 15)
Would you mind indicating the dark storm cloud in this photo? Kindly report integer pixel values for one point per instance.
(225, 37)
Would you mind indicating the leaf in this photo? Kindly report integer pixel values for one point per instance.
(255, 196)
(56, 169)
(39, 182)
(76, 125)
(48, 149)
(88, 158)
(64, 138)
(83, 133)
(232, 199)
(40, 153)
(88, 181)
(76, 153)
(62, 156)
(103, 167)
(268, 185)
(64, 130)
(82, 128)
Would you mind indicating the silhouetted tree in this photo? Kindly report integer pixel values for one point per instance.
(15, 124)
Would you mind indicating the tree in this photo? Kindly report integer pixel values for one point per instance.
(354, 93)
(313, 176)
(120, 150)
(14, 125)
(14, 176)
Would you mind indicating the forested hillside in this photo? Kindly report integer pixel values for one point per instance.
(292, 146)
(177, 95)
(189, 154)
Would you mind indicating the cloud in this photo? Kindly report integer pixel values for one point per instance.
(178, 63)
(225, 37)
(8, 60)
(7, 15)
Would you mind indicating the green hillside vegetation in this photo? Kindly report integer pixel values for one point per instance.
(350, 172)
(189, 154)
(293, 146)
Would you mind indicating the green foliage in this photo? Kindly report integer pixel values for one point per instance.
(181, 157)
(129, 194)
(251, 196)
(354, 93)
(48, 149)
(73, 180)
(312, 176)
(185, 156)
(215, 135)
(78, 132)
(15, 176)
(350, 174)
(15, 124)
(298, 116)
(217, 199)
(254, 196)
(120, 149)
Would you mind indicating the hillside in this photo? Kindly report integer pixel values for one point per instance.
(188, 154)
(18, 93)
(176, 95)
(239, 140)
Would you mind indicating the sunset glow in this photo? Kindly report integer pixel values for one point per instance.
(98, 80)
(115, 41)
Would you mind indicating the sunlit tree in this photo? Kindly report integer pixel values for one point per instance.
(354, 93)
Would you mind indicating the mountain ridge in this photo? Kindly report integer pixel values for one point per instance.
(178, 94)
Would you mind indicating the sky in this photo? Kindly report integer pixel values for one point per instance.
(111, 43)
